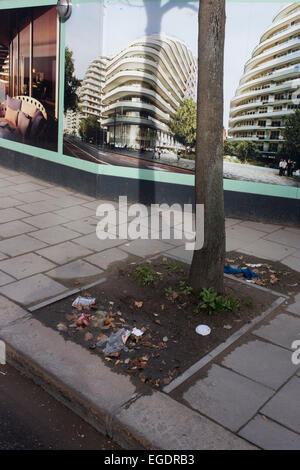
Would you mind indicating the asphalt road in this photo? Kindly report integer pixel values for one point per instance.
(75, 147)
(30, 419)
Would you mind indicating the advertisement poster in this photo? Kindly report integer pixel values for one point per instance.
(130, 85)
(29, 77)
(131, 88)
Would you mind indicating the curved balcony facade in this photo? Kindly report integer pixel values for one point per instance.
(137, 91)
(271, 79)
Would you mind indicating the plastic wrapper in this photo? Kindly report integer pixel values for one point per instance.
(83, 302)
(115, 343)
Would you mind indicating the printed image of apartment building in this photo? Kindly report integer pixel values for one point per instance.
(137, 91)
(268, 88)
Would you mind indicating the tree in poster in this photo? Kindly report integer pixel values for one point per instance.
(246, 150)
(89, 129)
(184, 123)
(207, 269)
(71, 83)
(291, 134)
(229, 147)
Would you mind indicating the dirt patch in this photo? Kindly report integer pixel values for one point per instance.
(272, 274)
(166, 312)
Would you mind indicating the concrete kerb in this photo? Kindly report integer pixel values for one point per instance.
(93, 394)
(221, 348)
(119, 420)
(66, 294)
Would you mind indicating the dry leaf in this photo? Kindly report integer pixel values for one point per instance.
(70, 317)
(138, 304)
(101, 337)
(167, 380)
(88, 336)
(62, 327)
(116, 354)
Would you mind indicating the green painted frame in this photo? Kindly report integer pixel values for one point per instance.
(124, 172)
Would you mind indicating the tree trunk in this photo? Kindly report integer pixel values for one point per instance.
(207, 268)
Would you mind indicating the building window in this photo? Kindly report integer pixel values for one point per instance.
(275, 135)
(24, 61)
(33, 62)
(44, 57)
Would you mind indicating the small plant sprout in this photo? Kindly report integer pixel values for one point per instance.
(211, 301)
(145, 275)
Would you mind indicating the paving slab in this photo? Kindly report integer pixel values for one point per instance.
(227, 397)
(28, 187)
(96, 203)
(32, 289)
(76, 270)
(282, 330)
(75, 212)
(20, 244)
(7, 215)
(260, 226)
(292, 262)
(64, 198)
(2, 256)
(269, 435)
(83, 226)
(263, 362)
(9, 191)
(20, 179)
(230, 221)
(295, 307)
(105, 258)
(93, 243)
(45, 220)
(234, 244)
(5, 183)
(14, 228)
(25, 265)
(181, 254)
(5, 172)
(284, 406)
(285, 237)
(6, 202)
(54, 235)
(267, 250)
(74, 368)
(169, 425)
(144, 248)
(246, 234)
(10, 312)
(64, 252)
(293, 229)
(5, 279)
(34, 196)
(39, 207)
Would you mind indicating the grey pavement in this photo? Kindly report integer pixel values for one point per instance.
(246, 397)
(237, 171)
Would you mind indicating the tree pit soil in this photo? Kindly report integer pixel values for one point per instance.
(169, 344)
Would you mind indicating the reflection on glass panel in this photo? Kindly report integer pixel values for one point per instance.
(24, 61)
(44, 58)
(10, 69)
(15, 65)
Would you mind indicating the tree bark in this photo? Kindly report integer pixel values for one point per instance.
(207, 268)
